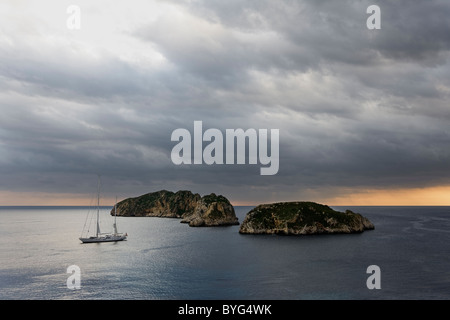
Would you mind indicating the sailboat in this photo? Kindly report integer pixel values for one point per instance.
(104, 237)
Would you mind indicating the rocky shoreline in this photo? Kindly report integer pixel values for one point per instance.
(197, 211)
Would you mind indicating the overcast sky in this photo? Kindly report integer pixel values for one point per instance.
(358, 110)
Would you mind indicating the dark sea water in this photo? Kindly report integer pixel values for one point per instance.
(165, 259)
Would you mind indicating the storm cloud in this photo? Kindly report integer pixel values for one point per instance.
(356, 108)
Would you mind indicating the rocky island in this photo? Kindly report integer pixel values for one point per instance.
(301, 218)
(197, 211)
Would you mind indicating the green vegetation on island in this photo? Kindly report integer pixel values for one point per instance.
(197, 211)
(296, 218)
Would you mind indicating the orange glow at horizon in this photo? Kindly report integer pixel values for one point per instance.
(431, 196)
(8, 198)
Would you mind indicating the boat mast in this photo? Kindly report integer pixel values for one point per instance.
(115, 215)
(98, 206)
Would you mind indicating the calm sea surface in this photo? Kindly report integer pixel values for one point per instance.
(165, 259)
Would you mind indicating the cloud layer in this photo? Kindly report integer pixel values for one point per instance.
(356, 108)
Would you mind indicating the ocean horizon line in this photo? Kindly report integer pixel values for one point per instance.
(239, 205)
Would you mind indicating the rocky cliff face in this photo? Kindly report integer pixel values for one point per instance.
(211, 210)
(302, 218)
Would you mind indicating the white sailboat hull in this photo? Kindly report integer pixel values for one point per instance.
(107, 238)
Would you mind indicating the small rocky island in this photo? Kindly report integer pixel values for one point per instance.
(301, 218)
(197, 211)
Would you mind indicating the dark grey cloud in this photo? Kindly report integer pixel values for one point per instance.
(418, 31)
(334, 30)
(355, 107)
